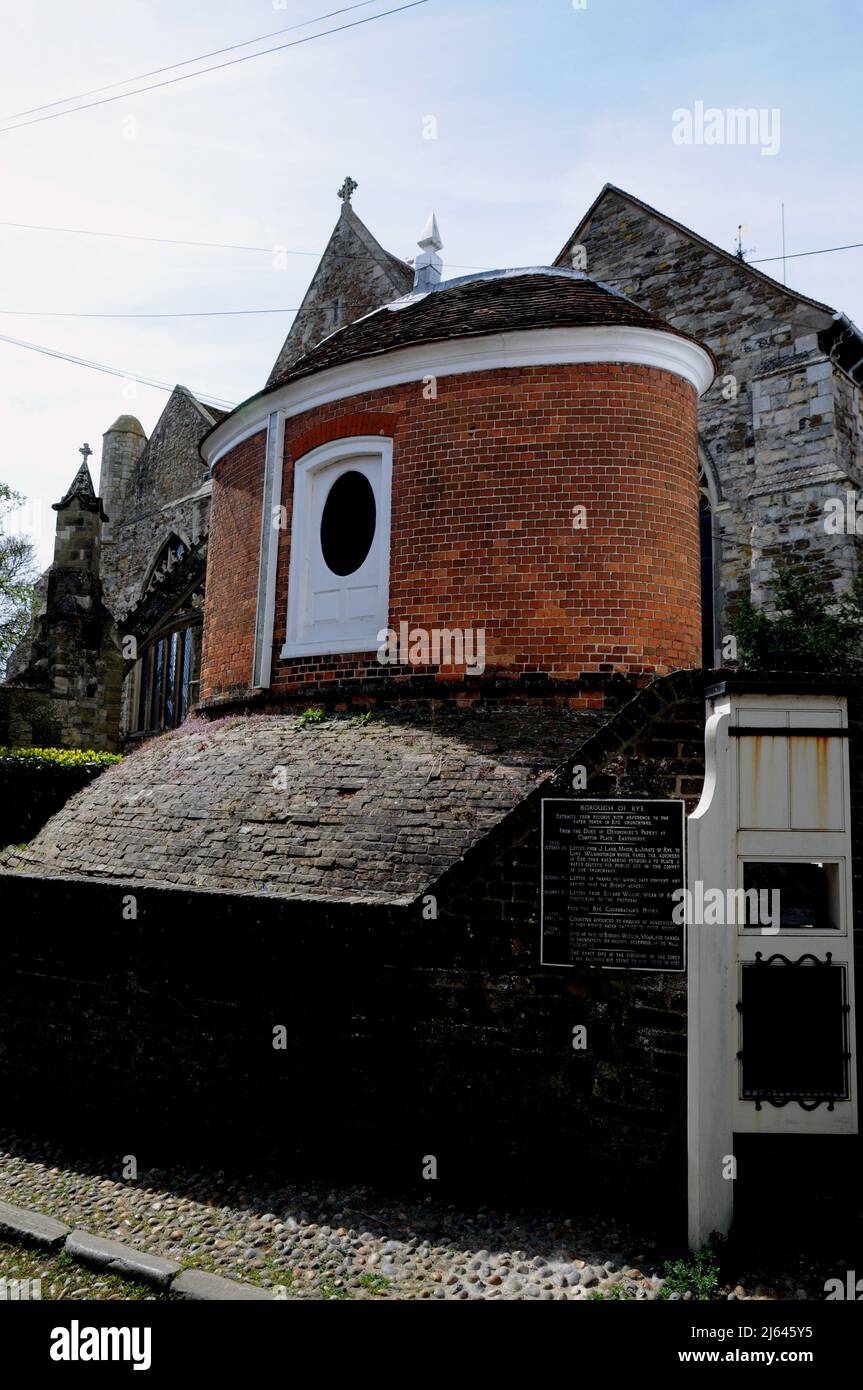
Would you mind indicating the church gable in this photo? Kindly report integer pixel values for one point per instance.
(769, 423)
(355, 276)
(681, 276)
(168, 494)
(170, 466)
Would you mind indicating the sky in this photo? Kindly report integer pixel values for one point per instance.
(504, 116)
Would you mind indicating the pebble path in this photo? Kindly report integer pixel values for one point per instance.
(319, 1242)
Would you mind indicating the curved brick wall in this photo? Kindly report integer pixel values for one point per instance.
(485, 478)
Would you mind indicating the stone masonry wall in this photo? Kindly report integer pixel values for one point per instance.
(355, 276)
(167, 494)
(790, 436)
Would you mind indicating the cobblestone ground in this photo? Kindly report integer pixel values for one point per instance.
(319, 1242)
(32, 1274)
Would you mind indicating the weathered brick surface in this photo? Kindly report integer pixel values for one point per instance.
(232, 571)
(374, 810)
(485, 479)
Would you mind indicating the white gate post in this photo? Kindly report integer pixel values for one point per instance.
(776, 795)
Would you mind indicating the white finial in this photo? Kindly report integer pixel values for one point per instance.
(430, 239)
(428, 265)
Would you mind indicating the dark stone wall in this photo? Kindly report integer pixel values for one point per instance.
(405, 1036)
(147, 1022)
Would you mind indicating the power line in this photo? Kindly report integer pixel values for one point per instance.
(112, 371)
(214, 53)
(231, 62)
(161, 240)
(283, 251)
(795, 255)
(186, 314)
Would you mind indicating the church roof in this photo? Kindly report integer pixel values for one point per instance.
(354, 269)
(475, 306)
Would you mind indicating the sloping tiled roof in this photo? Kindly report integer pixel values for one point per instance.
(476, 306)
(372, 811)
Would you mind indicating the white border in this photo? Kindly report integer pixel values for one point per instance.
(271, 497)
(648, 347)
(336, 450)
(611, 801)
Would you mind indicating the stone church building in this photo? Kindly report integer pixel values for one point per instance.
(779, 431)
(471, 545)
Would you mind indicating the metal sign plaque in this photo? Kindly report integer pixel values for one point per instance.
(609, 873)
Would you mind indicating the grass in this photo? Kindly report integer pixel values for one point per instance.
(375, 1283)
(61, 1277)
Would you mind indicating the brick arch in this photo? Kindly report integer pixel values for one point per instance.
(344, 427)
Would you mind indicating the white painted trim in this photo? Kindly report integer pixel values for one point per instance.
(648, 347)
(258, 427)
(336, 451)
(271, 496)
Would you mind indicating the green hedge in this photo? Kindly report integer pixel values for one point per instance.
(36, 782)
(60, 757)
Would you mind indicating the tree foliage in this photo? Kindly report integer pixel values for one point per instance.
(18, 576)
(810, 630)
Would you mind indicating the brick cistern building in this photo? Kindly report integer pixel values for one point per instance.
(516, 455)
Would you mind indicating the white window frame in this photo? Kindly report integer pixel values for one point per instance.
(304, 537)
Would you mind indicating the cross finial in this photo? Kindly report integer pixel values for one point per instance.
(85, 451)
(348, 189)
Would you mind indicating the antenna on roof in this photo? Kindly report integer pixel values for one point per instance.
(428, 265)
(741, 251)
(782, 206)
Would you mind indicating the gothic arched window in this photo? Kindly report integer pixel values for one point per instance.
(711, 597)
(168, 557)
(167, 680)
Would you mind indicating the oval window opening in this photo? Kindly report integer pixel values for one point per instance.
(348, 523)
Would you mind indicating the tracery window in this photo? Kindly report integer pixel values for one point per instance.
(167, 680)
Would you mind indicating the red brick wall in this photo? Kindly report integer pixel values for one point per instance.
(232, 571)
(485, 478)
